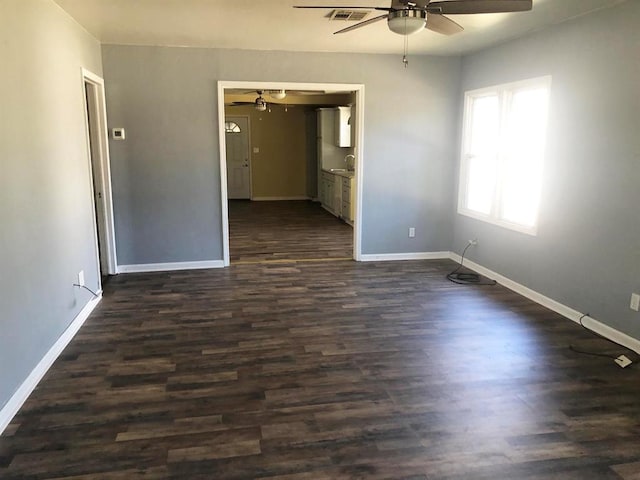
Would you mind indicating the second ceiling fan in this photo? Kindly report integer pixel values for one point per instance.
(406, 17)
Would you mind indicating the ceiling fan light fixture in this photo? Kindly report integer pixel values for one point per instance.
(261, 105)
(278, 94)
(407, 22)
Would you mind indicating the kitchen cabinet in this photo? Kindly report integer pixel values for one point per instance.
(347, 200)
(337, 195)
(342, 127)
(329, 188)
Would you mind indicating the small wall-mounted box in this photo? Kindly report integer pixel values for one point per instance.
(118, 133)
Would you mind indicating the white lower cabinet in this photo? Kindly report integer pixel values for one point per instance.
(328, 190)
(346, 211)
(337, 195)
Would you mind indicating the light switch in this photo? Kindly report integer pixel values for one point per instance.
(256, 150)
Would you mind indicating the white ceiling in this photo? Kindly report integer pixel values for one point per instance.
(274, 25)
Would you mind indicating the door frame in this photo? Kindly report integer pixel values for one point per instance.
(356, 88)
(101, 174)
(248, 146)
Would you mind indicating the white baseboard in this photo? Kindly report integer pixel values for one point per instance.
(612, 334)
(567, 312)
(166, 267)
(278, 199)
(11, 408)
(392, 257)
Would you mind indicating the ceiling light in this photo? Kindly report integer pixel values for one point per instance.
(261, 105)
(407, 22)
(277, 94)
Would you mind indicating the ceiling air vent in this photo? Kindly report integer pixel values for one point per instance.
(352, 15)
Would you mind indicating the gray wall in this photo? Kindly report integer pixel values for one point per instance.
(46, 215)
(587, 251)
(166, 174)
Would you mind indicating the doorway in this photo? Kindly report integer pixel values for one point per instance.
(355, 90)
(98, 150)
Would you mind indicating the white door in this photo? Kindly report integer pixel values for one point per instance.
(238, 163)
(98, 152)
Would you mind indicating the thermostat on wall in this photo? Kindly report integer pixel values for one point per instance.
(117, 133)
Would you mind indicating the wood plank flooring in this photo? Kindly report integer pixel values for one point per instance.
(327, 370)
(286, 230)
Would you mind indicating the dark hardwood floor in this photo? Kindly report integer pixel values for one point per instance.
(326, 370)
(286, 230)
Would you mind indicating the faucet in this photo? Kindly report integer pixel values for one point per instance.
(353, 159)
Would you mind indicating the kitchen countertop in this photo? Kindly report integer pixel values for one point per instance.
(341, 173)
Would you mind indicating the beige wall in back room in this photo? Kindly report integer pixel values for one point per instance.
(280, 167)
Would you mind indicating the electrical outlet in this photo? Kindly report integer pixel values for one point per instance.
(473, 241)
(623, 361)
(635, 302)
(81, 278)
(118, 133)
(412, 232)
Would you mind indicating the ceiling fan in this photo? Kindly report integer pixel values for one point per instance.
(260, 104)
(406, 17)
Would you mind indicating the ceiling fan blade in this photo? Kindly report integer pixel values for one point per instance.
(343, 7)
(441, 24)
(361, 24)
(464, 7)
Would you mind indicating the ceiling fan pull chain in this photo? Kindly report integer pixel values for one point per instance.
(405, 60)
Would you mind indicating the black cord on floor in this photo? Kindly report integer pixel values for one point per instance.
(597, 354)
(86, 288)
(467, 278)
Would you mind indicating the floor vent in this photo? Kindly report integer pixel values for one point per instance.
(352, 15)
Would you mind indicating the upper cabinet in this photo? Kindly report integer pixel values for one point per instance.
(342, 135)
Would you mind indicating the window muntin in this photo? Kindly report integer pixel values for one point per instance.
(232, 127)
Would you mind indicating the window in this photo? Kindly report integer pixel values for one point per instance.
(231, 127)
(502, 153)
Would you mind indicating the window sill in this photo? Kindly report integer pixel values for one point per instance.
(533, 231)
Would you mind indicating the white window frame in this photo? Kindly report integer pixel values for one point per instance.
(504, 92)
